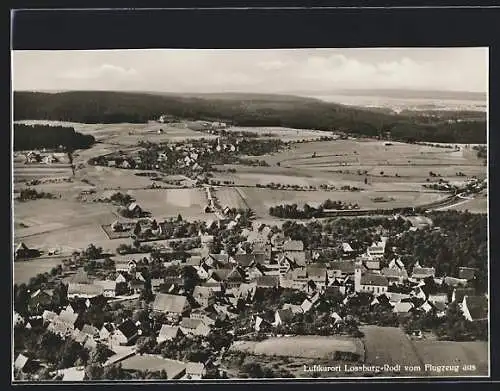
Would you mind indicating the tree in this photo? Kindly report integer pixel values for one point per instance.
(179, 218)
(137, 229)
(92, 252)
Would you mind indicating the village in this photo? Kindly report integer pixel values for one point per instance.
(177, 311)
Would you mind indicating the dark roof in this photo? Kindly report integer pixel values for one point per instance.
(346, 267)
(244, 259)
(128, 328)
(477, 306)
(460, 293)
(318, 272)
(268, 281)
(285, 314)
(374, 279)
(466, 273)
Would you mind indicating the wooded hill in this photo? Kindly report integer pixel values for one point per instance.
(241, 110)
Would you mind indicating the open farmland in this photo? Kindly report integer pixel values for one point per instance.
(302, 346)
(190, 203)
(454, 353)
(262, 199)
(25, 172)
(24, 270)
(388, 345)
(231, 197)
(285, 134)
(127, 134)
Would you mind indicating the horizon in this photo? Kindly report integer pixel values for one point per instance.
(257, 71)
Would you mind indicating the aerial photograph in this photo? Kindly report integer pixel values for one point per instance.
(197, 215)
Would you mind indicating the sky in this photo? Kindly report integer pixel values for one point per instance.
(260, 71)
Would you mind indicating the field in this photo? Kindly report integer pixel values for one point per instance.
(231, 197)
(24, 270)
(477, 205)
(163, 203)
(455, 353)
(301, 346)
(67, 225)
(285, 134)
(389, 345)
(261, 199)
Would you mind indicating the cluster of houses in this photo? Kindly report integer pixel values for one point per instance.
(34, 157)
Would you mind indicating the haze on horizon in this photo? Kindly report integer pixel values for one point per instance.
(283, 71)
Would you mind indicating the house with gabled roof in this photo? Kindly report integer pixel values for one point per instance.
(467, 273)
(421, 273)
(475, 308)
(190, 326)
(369, 282)
(377, 249)
(125, 333)
(282, 316)
(394, 274)
(39, 299)
(293, 245)
(268, 281)
(195, 370)
(204, 296)
(459, 294)
(168, 333)
(173, 306)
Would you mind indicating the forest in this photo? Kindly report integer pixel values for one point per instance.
(52, 137)
(300, 113)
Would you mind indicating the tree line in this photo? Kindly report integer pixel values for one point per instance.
(116, 107)
(52, 137)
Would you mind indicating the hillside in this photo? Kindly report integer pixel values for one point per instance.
(242, 110)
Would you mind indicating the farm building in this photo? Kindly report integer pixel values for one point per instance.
(85, 291)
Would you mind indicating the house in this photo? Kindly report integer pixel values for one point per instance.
(156, 284)
(459, 294)
(136, 285)
(475, 308)
(455, 282)
(173, 306)
(108, 287)
(216, 260)
(402, 307)
(39, 299)
(426, 307)
(255, 272)
(440, 308)
(347, 250)
(234, 278)
(268, 281)
(394, 274)
(167, 333)
(48, 316)
(377, 249)
(196, 327)
(90, 330)
(195, 371)
(73, 374)
(421, 273)
(369, 282)
(134, 209)
(295, 308)
(21, 363)
(125, 164)
(86, 291)
(246, 291)
(466, 273)
(342, 268)
(438, 298)
(193, 260)
(106, 331)
(293, 245)
(204, 296)
(125, 265)
(125, 333)
(23, 251)
(120, 279)
(33, 157)
(282, 316)
(111, 163)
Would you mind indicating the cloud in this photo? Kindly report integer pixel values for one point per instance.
(103, 71)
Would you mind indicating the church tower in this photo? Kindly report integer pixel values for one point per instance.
(357, 275)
